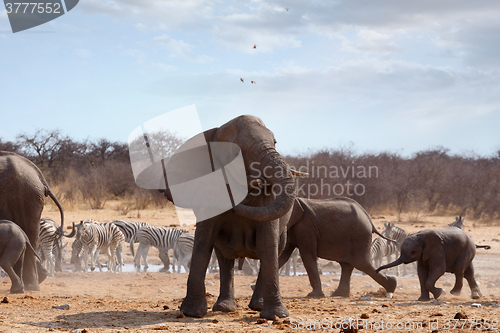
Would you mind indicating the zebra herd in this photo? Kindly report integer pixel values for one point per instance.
(92, 237)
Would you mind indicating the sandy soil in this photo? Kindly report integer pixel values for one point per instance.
(149, 301)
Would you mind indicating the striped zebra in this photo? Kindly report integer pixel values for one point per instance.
(129, 228)
(101, 236)
(382, 248)
(50, 245)
(162, 238)
(458, 223)
(183, 251)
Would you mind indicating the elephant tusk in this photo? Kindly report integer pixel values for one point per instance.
(299, 173)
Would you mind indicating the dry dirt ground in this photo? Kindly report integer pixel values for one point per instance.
(149, 301)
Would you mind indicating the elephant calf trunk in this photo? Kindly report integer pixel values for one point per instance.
(398, 262)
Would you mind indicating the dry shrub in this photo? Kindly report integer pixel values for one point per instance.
(93, 189)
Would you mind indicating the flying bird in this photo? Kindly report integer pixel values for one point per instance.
(241, 80)
(286, 9)
(254, 46)
(252, 81)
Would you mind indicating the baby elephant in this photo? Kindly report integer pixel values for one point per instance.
(13, 243)
(439, 251)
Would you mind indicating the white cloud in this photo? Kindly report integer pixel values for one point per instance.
(180, 49)
(372, 42)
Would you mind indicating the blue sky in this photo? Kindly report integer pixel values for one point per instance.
(388, 75)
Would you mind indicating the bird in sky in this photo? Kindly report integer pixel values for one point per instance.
(252, 81)
(286, 9)
(254, 46)
(241, 80)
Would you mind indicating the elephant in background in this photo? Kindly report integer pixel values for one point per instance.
(436, 252)
(336, 229)
(22, 192)
(13, 245)
(255, 228)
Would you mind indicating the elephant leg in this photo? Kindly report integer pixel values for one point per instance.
(267, 248)
(195, 302)
(30, 274)
(257, 303)
(294, 262)
(459, 279)
(435, 272)
(423, 273)
(309, 259)
(388, 282)
(15, 273)
(344, 288)
(226, 301)
(469, 276)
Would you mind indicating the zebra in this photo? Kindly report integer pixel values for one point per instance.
(459, 222)
(162, 238)
(129, 228)
(183, 251)
(50, 245)
(101, 236)
(399, 235)
(382, 248)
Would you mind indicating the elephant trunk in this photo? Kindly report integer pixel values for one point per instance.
(281, 182)
(395, 263)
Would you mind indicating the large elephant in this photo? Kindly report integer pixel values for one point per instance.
(336, 229)
(436, 252)
(254, 228)
(22, 192)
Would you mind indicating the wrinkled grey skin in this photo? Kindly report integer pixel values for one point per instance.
(22, 193)
(336, 229)
(13, 245)
(436, 252)
(255, 228)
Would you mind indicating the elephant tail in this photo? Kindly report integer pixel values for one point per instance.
(49, 193)
(28, 243)
(486, 247)
(384, 237)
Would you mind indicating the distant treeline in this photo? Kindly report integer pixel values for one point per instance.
(432, 181)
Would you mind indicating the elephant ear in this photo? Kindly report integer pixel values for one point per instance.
(298, 211)
(432, 245)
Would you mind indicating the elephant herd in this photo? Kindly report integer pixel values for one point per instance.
(269, 224)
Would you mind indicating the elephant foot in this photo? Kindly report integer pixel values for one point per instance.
(455, 292)
(392, 283)
(316, 293)
(340, 293)
(476, 295)
(439, 294)
(165, 270)
(227, 305)
(196, 308)
(256, 304)
(278, 310)
(32, 286)
(424, 298)
(19, 290)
